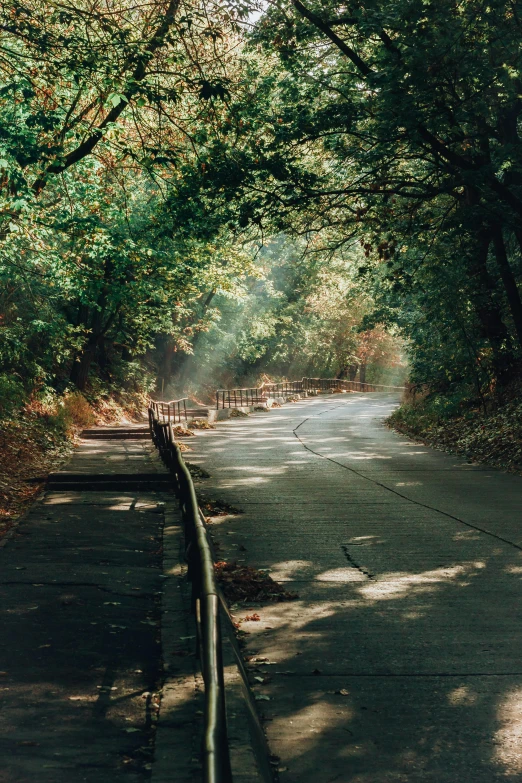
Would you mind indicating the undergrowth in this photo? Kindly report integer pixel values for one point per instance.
(37, 438)
(31, 447)
(489, 434)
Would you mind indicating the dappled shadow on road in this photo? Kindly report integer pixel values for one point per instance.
(80, 647)
(402, 658)
(412, 676)
(407, 675)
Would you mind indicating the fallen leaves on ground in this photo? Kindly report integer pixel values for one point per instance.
(195, 470)
(183, 446)
(494, 438)
(235, 413)
(244, 583)
(182, 432)
(218, 508)
(202, 424)
(29, 451)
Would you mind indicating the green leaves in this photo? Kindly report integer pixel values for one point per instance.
(115, 98)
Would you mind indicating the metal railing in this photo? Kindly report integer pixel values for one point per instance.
(239, 398)
(216, 755)
(173, 411)
(284, 388)
(325, 384)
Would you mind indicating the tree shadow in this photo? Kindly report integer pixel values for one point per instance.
(401, 659)
(80, 651)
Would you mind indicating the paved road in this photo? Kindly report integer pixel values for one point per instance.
(402, 658)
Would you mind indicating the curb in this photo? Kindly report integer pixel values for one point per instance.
(221, 414)
(250, 761)
(249, 751)
(179, 726)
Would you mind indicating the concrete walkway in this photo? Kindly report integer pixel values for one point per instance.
(81, 629)
(401, 661)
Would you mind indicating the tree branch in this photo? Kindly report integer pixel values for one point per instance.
(437, 146)
(342, 45)
(139, 73)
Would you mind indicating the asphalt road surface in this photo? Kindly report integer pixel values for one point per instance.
(401, 660)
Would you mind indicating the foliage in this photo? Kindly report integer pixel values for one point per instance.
(492, 436)
(156, 160)
(31, 447)
(303, 316)
(413, 152)
(103, 244)
(11, 394)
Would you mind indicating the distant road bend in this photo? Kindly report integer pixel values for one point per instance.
(401, 661)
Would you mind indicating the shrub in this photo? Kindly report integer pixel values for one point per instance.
(12, 394)
(73, 412)
(79, 410)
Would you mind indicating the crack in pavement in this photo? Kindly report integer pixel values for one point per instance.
(395, 492)
(356, 565)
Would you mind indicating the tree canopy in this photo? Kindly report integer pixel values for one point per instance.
(315, 188)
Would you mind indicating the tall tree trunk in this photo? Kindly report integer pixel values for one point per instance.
(166, 345)
(488, 313)
(508, 279)
(93, 320)
(82, 365)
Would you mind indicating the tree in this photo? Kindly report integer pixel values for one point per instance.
(406, 148)
(104, 111)
(303, 314)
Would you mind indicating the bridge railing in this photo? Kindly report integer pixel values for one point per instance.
(326, 384)
(215, 747)
(283, 388)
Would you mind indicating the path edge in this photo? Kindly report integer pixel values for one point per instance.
(182, 687)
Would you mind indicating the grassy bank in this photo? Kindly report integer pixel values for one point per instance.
(492, 437)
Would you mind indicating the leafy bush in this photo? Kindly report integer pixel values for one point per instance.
(12, 394)
(78, 411)
(492, 436)
(72, 412)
